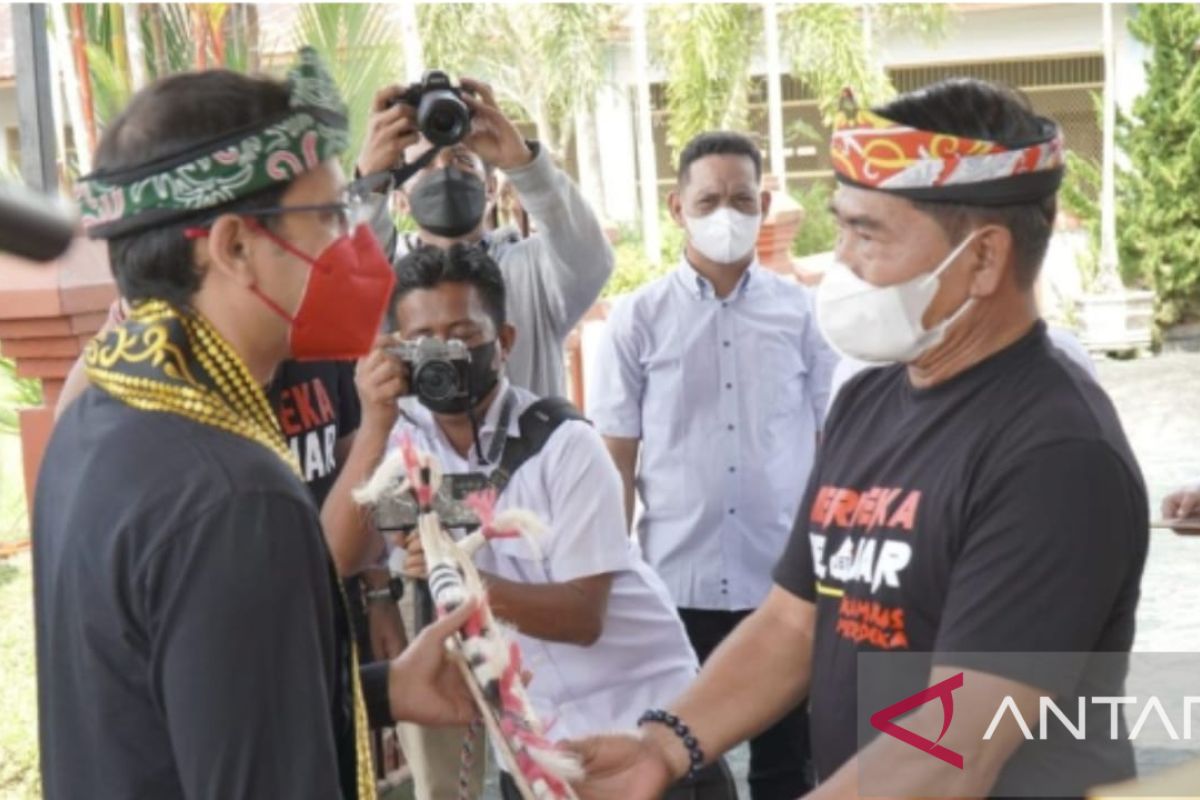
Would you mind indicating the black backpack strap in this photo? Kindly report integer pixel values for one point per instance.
(537, 423)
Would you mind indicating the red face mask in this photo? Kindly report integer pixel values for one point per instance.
(349, 285)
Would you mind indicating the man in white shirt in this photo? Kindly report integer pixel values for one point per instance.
(717, 377)
(595, 624)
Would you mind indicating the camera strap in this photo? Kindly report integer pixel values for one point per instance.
(401, 174)
(537, 423)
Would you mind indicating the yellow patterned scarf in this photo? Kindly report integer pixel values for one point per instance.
(160, 359)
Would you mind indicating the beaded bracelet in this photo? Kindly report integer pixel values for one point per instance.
(695, 754)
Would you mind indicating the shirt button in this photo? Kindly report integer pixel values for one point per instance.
(726, 343)
(732, 510)
(731, 427)
(733, 469)
(729, 386)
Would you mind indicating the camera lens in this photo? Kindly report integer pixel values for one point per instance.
(437, 380)
(443, 118)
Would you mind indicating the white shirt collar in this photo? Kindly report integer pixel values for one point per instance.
(701, 288)
(423, 418)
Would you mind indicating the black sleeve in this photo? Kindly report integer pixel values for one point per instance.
(374, 679)
(243, 651)
(349, 407)
(1046, 557)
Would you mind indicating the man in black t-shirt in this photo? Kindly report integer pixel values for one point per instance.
(974, 493)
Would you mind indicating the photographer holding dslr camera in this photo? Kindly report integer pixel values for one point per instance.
(552, 277)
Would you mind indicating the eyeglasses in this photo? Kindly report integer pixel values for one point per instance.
(348, 212)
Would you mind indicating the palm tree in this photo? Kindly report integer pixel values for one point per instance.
(360, 44)
(544, 62)
(832, 45)
(706, 50)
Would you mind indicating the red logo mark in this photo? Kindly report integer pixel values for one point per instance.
(882, 720)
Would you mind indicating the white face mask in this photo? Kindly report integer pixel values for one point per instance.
(882, 324)
(724, 236)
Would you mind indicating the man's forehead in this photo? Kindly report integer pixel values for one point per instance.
(853, 203)
(723, 170)
(446, 304)
(415, 151)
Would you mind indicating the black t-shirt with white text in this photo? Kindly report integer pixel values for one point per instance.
(1001, 510)
(317, 405)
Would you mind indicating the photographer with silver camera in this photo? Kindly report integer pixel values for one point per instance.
(590, 613)
(553, 276)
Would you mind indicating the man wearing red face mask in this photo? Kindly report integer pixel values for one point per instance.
(192, 638)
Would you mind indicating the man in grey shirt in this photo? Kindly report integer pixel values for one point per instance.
(552, 277)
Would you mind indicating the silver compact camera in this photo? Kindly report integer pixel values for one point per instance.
(436, 370)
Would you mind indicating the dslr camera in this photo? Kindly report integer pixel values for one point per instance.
(442, 117)
(436, 370)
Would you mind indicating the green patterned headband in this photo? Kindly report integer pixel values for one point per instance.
(219, 171)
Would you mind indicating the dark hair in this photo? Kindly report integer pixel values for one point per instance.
(171, 116)
(428, 267)
(718, 143)
(981, 110)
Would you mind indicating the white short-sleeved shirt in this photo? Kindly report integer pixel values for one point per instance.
(643, 658)
(727, 396)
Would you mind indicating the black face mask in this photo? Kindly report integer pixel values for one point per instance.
(448, 202)
(481, 378)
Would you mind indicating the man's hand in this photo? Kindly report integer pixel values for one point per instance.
(493, 136)
(1182, 503)
(425, 684)
(621, 766)
(414, 563)
(386, 629)
(390, 129)
(379, 378)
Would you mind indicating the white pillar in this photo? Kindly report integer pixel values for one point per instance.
(774, 93)
(1108, 194)
(647, 168)
(134, 46)
(410, 32)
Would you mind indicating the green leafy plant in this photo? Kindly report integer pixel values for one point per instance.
(706, 49)
(632, 269)
(1159, 212)
(818, 231)
(1080, 196)
(361, 47)
(15, 393)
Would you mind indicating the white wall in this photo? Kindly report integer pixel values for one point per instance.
(1015, 31)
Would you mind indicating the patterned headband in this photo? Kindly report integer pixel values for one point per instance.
(235, 165)
(873, 152)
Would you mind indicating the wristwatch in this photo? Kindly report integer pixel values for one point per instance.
(390, 593)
